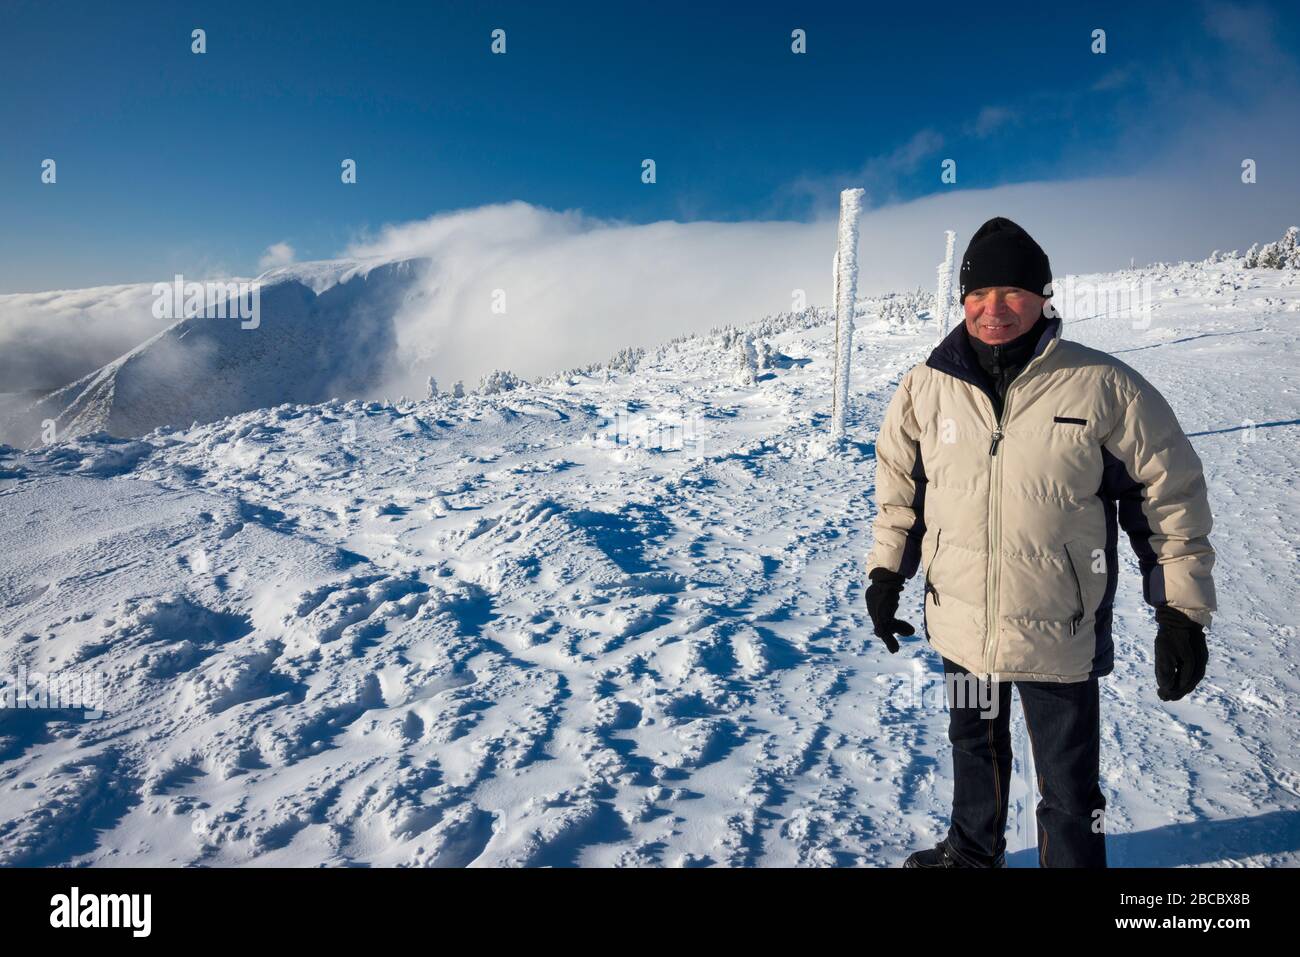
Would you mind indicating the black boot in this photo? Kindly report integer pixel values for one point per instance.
(941, 855)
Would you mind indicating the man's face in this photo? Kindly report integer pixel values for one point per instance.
(997, 314)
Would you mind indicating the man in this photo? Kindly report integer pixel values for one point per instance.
(1004, 465)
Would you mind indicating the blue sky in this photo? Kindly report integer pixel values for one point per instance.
(168, 160)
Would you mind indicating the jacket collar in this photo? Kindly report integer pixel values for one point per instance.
(1013, 355)
(955, 356)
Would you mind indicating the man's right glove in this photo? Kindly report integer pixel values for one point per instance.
(882, 605)
(1181, 654)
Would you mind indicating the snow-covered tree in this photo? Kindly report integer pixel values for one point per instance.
(626, 360)
(1283, 254)
(432, 387)
(746, 360)
(458, 390)
(901, 312)
(499, 380)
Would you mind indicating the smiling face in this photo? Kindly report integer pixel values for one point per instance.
(997, 314)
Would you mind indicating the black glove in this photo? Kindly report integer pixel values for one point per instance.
(1181, 654)
(882, 604)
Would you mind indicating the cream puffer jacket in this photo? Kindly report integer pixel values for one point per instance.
(1015, 522)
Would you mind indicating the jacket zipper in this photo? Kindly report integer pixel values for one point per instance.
(995, 519)
(1078, 592)
(995, 539)
(930, 589)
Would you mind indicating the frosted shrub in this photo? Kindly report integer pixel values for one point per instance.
(626, 360)
(1283, 254)
(746, 359)
(901, 312)
(499, 380)
(777, 323)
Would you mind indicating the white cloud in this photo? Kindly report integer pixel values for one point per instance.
(577, 288)
(277, 254)
(990, 119)
(48, 339)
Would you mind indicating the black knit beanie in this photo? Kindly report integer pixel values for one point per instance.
(1002, 254)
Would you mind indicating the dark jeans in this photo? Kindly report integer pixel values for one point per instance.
(1065, 732)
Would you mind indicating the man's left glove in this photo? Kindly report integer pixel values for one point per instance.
(1181, 654)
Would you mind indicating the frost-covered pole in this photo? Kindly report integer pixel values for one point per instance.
(943, 298)
(846, 294)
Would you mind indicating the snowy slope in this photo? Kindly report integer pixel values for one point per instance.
(323, 330)
(483, 632)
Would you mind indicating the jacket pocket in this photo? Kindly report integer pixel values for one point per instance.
(1078, 590)
(929, 566)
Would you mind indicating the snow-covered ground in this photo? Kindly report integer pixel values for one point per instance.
(485, 631)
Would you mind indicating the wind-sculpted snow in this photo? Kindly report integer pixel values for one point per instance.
(502, 631)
